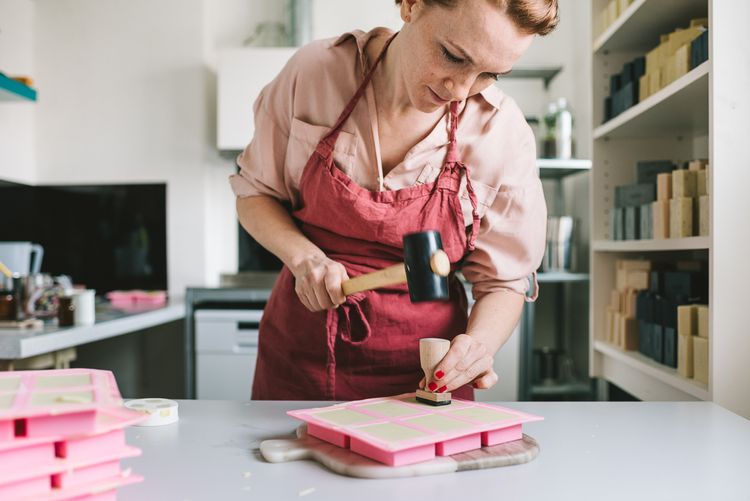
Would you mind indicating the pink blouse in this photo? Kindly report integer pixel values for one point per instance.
(298, 107)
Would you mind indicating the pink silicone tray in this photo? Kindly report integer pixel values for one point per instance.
(400, 430)
(62, 435)
(127, 298)
(56, 402)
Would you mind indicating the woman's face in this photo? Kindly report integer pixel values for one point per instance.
(451, 54)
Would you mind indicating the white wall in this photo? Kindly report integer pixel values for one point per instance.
(125, 102)
(17, 118)
(334, 17)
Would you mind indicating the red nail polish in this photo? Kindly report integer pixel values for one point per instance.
(442, 389)
(432, 386)
(439, 374)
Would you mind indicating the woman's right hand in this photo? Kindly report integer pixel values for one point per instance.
(318, 282)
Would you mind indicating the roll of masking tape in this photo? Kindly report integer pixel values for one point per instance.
(160, 411)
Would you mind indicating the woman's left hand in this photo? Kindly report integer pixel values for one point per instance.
(467, 361)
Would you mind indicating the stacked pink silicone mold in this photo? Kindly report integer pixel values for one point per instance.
(400, 430)
(62, 435)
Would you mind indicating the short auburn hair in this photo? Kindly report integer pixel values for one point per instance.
(537, 17)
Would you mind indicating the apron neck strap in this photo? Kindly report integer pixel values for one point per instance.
(452, 155)
(330, 138)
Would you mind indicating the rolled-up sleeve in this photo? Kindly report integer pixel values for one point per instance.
(262, 163)
(511, 240)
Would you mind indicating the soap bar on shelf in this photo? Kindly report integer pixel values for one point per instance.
(700, 359)
(664, 186)
(701, 183)
(660, 216)
(647, 171)
(684, 184)
(681, 217)
(687, 320)
(703, 320)
(670, 347)
(685, 355)
(704, 221)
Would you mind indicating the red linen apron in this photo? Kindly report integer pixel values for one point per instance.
(368, 346)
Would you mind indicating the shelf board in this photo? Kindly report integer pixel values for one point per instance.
(557, 168)
(561, 276)
(680, 107)
(13, 90)
(639, 27)
(667, 244)
(653, 370)
(546, 74)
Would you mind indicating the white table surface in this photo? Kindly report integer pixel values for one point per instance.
(589, 450)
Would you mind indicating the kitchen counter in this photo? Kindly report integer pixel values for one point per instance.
(110, 322)
(589, 450)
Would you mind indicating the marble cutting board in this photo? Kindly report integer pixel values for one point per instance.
(346, 462)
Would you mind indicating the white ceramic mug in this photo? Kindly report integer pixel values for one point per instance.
(85, 306)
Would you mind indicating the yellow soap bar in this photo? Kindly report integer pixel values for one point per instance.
(654, 84)
(681, 61)
(700, 359)
(687, 320)
(704, 220)
(685, 355)
(703, 320)
(629, 300)
(652, 60)
(681, 217)
(684, 183)
(637, 279)
(664, 186)
(628, 333)
(615, 301)
(643, 90)
(660, 216)
(701, 183)
(698, 164)
(609, 325)
(634, 264)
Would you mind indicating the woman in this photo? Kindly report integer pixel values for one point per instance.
(372, 136)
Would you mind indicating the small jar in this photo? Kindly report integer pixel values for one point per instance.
(7, 305)
(66, 311)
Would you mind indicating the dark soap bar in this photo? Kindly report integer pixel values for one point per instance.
(648, 170)
(670, 347)
(635, 194)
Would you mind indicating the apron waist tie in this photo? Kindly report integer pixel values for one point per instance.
(342, 319)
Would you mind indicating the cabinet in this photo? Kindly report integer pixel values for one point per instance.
(699, 115)
(559, 371)
(242, 74)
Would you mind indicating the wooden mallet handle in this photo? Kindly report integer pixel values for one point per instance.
(431, 352)
(393, 275)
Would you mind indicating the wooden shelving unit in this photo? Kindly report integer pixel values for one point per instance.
(680, 107)
(670, 244)
(639, 27)
(701, 115)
